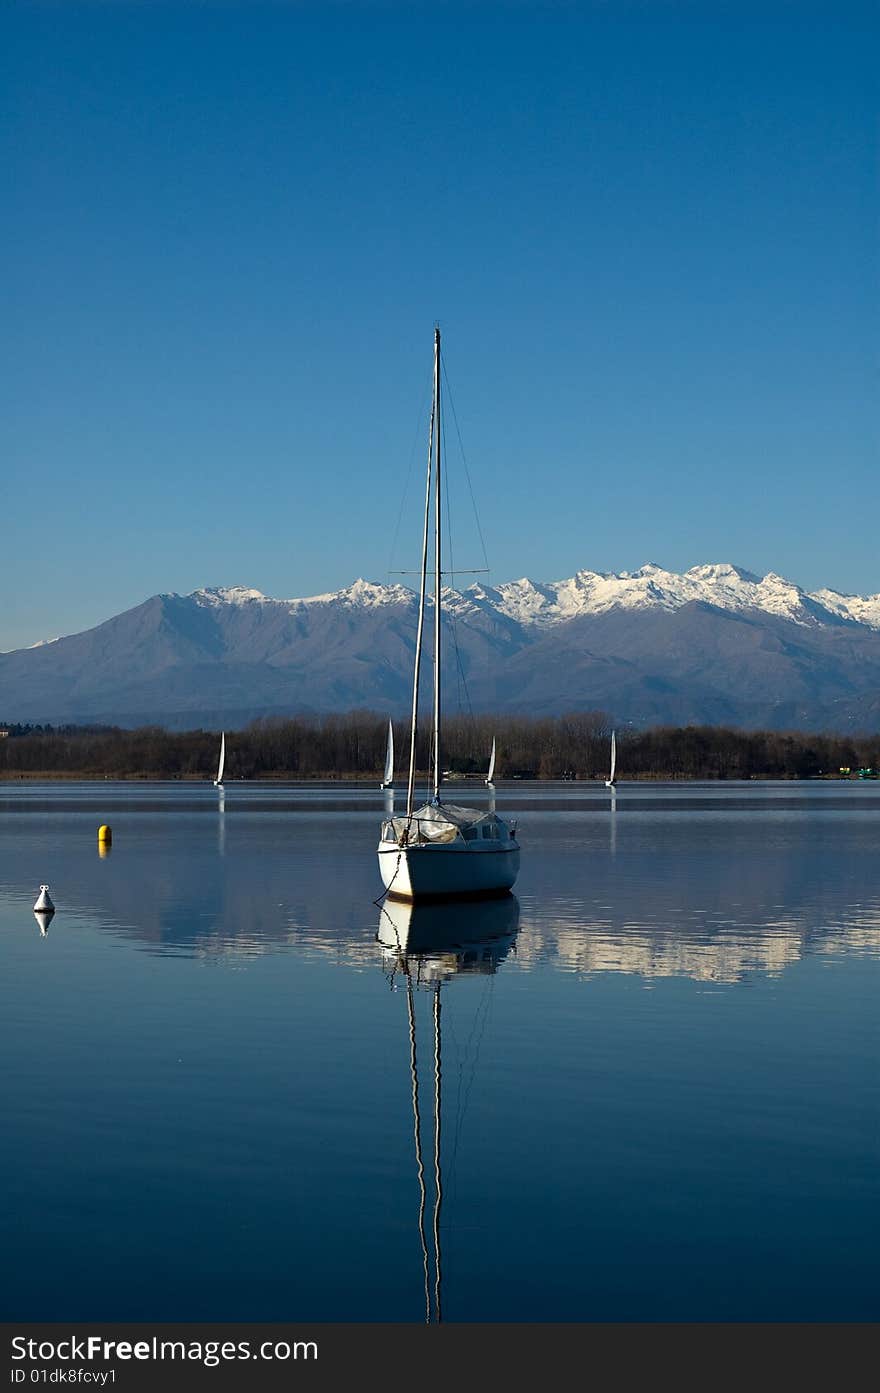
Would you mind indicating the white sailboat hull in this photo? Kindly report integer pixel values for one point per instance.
(447, 869)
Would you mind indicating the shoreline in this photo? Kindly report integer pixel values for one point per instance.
(201, 780)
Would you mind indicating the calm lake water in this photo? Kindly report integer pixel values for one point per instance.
(658, 1085)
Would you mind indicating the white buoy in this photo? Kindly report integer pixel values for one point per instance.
(44, 899)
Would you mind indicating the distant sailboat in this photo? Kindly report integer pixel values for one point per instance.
(610, 781)
(388, 776)
(218, 782)
(491, 774)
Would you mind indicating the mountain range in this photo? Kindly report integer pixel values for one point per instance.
(714, 645)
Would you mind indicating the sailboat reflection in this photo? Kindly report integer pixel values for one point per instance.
(428, 944)
(435, 941)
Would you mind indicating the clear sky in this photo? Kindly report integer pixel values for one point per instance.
(649, 232)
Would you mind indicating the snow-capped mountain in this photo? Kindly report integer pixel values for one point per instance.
(596, 592)
(715, 644)
(721, 585)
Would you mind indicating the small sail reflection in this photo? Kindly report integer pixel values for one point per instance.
(428, 944)
(44, 918)
(221, 820)
(388, 802)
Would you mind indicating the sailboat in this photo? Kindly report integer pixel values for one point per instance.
(388, 776)
(610, 781)
(490, 777)
(440, 849)
(218, 782)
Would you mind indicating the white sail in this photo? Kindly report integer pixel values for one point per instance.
(219, 778)
(491, 774)
(609, 782)
(388, 776)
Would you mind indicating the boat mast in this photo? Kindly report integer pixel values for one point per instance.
(437, 572)
(411, 783)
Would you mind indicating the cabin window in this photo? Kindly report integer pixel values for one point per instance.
(488, 832)
(469, 833)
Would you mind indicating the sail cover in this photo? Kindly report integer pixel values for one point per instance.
(439, 822)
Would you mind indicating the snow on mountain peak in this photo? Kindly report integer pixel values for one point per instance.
(719, 584)
(369, 594)
(366, 594)
(229, 595)
(859, 609)
(721, 571)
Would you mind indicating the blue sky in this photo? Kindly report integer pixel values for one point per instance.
(649, 233)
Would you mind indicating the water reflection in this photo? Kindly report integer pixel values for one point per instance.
(647, 894)
(702, 946)
(428, 945)
(685, 1153)
(44, 918)
(655, 911)
(436, 941)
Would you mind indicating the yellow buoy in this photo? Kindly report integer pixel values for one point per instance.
(105, 834)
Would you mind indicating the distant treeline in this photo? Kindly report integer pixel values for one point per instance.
(575, 746)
